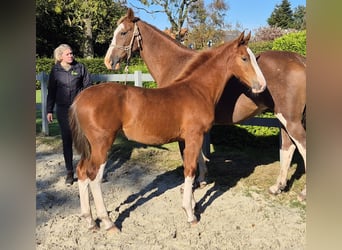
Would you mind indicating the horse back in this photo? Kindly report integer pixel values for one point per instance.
(285, 74)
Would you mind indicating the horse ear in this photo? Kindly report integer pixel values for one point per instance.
(130, 14)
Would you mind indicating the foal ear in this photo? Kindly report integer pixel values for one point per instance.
(243, 40)
(130, 14)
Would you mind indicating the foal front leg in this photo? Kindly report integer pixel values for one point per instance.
(191, 153)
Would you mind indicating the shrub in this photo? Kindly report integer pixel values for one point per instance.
(258, 47)
(270, 33)
(295, 42)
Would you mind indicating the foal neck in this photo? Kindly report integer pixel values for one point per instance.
(208, 72)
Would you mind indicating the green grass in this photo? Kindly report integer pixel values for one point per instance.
(38, 96)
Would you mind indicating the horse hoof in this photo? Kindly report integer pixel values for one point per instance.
(113, 230)
(301, 197)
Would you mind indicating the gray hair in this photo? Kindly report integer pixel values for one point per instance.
(57, 53)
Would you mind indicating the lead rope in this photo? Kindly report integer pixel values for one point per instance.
(126, 72)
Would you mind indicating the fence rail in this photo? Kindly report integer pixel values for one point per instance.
(138, 78)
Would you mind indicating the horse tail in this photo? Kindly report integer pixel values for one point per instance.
(81, 142)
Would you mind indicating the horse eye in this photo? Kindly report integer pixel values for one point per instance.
(123, 33)
(244, 58)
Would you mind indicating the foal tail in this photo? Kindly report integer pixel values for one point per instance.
(81, 142)
(304, 118)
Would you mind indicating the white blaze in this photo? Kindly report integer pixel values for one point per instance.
(255, 65)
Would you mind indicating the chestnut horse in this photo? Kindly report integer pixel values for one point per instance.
(285, 73)
(155, 116)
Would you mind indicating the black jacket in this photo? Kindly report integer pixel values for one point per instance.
(65, 85)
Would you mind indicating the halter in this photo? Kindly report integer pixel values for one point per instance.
(136, 34)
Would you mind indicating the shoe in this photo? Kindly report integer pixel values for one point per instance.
(69, 179)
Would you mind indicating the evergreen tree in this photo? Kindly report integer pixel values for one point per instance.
(299, 14)
(282, 16)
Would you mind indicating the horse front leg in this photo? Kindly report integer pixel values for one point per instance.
(191, 153)
(83, 187)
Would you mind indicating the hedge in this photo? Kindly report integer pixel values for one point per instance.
(295, 42)
(95, 66)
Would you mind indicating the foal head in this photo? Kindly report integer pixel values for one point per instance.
(126, 39)
(245, 66)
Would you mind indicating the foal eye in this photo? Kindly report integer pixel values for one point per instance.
(244, 58)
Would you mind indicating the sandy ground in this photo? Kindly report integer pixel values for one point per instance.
(145, 203)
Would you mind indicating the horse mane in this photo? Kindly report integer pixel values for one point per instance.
(164, 35)
(130, 17)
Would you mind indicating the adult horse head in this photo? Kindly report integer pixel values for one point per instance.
(126, 39)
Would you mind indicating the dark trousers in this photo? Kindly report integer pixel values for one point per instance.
(63, 121)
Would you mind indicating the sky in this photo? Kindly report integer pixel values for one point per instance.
(251, 14)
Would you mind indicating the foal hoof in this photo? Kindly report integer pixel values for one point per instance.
(274, 190)
(202, 184)
(94, 229)
(194, 222)
(113, 230)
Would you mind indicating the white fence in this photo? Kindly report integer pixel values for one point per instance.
(138, 78)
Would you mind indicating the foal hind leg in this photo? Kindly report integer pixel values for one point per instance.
(286, 153)
(83, 187)
(202, 159)
(98, 161)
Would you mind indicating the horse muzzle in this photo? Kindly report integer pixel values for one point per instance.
(112, 64)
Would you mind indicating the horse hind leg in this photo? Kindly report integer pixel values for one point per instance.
(296, 132)
(286, 153)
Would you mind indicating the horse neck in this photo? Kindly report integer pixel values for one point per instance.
(162, 55)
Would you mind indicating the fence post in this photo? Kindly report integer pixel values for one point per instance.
(43, 85)
(138, 78)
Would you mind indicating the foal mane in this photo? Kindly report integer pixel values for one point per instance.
(201, 59)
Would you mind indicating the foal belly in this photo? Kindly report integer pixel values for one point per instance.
(150, 136)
